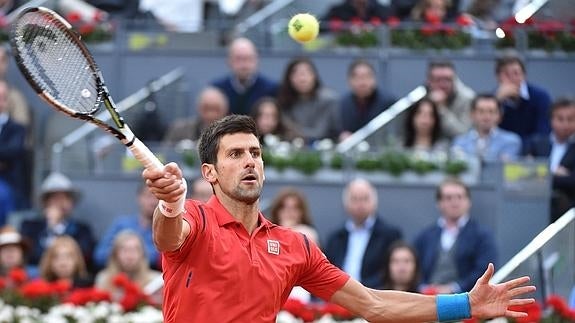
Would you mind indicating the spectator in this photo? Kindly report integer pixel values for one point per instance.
(452, 97)
(312, 107)
(128, 256)
(358, 248)
(245, 85)
(453, 251)
(6, 201)
(401, 270)
(17, 104)
(58, 198)
(525, 105)
(271, 122)
(211, 105)
(12, 150)
(486, 140)
(140, 223)
(201, 190)
(63, 260)
(290, 209)
(558, 148)
(433, 11)
(365, 101)
(369, 11)
(423, 129)
(12, 250)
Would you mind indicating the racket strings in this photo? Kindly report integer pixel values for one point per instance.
(55, 62)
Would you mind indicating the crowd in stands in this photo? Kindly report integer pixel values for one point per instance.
(517, 119)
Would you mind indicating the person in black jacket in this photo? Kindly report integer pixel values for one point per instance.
(360, 246)
(58, 198)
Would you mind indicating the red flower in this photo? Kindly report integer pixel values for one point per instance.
(428, 30)
(375, 21)
(356, 21)
(100, 16)
(558, 304)
(73, 17)
(83, 296)
(464, 21)
(18, 276)
(336, 24)
(533, 312)
(429, 290)
(121, 280)
(393, 21)
(86, 29)
(336, 311)
(432, 18)
(449, 31)
(36, 288)
(61, 286)
(2, 283)
(298, 309)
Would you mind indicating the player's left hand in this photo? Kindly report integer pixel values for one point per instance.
(166, 184)
(489, 301)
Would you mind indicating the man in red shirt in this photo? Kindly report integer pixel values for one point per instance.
(224, 262)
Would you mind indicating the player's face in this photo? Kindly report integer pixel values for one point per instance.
(239, 172)
(454, 202)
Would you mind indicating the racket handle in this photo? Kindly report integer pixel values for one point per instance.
(144, 155)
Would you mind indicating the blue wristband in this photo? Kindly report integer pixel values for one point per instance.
(453, 307)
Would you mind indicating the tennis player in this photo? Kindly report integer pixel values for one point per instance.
(224, 262)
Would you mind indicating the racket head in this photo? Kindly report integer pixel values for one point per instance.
(55, 62)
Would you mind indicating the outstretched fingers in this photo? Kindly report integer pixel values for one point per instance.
(515, 314)
(520, 291)
(486, 277)
(521, 301)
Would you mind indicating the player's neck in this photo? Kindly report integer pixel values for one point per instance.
(246, 213)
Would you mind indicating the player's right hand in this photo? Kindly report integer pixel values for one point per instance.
(167, 183)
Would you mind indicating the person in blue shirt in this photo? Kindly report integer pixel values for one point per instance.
(486, 140)
(140, 223)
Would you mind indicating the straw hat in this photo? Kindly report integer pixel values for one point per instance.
(58, 183)
(9, 236)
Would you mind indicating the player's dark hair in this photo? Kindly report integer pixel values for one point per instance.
(210, 139)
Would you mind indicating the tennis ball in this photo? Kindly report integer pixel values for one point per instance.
(303, 27)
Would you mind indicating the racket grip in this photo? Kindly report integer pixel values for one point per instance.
(144, 155)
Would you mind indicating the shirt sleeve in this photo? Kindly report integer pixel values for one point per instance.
(319, 276)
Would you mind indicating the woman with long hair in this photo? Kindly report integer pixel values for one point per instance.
(128, 257)
(271, 122)
(63, 260)
(290, 209)
(401, 271)
(422, 130)
(313, 108)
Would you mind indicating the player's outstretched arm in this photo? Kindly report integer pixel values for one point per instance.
(168, 185)
(484, 301)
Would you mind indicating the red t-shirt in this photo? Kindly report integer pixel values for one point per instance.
(222, 274)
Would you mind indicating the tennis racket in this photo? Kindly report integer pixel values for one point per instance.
(59, 67)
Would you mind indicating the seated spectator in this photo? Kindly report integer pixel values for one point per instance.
(359, 246)
(201, 190)
(401, 270)
(6, 201)
(128, 256)
(244, 85)
(454, 251)
(312, 107)
(12, 149)
(423, 129)
(13, 250)
(17, 105)
(370, 11)
(432, 11)
(486, 140)
(483, 13)
(365, 101)
(63, 260)
(140, 223)
(270, 121)
(211, 106)
(557, 147)
(290, 209)
(451, 95)
(57, 200)
(525, 105)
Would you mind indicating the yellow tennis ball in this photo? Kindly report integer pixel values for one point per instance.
(303, 27)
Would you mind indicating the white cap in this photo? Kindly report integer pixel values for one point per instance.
(57, 182)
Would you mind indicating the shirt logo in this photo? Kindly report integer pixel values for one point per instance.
(273, 247)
